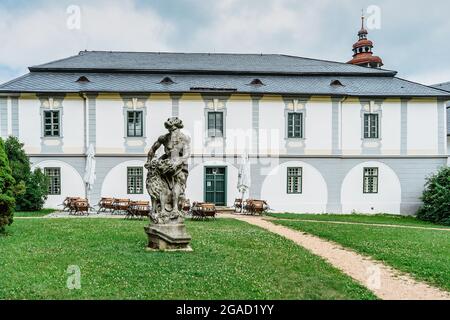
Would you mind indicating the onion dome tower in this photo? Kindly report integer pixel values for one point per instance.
(362, 50)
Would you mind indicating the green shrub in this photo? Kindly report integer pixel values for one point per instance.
(436, 198)
(7, 185)
(31, 187)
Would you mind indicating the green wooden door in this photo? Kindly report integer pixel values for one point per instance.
(216, 185)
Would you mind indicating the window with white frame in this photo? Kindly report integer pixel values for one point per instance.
(294, 180)
(52, 123)
(135, 124)
(295, 125)
(371, 126)
(215, 124)
(54, 177)
(135, 180)
(370, 180)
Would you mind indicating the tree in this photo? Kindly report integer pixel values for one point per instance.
(436, 198)
(7, 184)
(31, 187)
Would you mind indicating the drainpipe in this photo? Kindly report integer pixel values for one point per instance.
(340, 122)
(86, 135)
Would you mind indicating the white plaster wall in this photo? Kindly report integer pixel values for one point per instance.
(422, 127)
(73, 126)
(110, 125)
(239, 125)
(72, 184)
(191, 109)
(115, 183)
(318, 127)
(159, 109)
(272, 126)
(195, 190)
(387, 200)
(391, 127)
(30, 124)
(312, 200)
(351, 127)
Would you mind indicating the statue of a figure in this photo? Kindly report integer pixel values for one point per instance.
(167, 175)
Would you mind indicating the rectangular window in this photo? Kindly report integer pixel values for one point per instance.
(215, 124)
(51, 124)
(135, 124)
(54, 176)
(371, 125)
(135, 178)
(295, 125)
(370, 180)
(294, 180)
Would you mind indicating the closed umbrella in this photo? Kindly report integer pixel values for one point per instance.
(244, 177)
(89, 175)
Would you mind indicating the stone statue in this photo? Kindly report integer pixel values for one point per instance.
(166, 184)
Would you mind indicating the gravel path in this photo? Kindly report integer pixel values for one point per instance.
(384, 281)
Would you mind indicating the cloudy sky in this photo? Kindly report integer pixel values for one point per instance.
(411, 36)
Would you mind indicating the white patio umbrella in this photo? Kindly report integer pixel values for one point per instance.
(89, 175)
(244, 178)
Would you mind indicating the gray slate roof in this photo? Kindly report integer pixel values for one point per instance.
(125, 82)
(202, 63)
(443, 86)
(137, 72)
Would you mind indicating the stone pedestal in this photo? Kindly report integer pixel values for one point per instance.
(168, 237)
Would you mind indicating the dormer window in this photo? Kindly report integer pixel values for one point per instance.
(167, 81)
(256, 82)
(83, 79)
(336, 83)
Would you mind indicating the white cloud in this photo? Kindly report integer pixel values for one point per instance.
(42, 35)
(261, 26)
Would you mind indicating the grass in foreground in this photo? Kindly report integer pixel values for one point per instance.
(40, 213)
(360, 218)
(424, 254)
(231, 260)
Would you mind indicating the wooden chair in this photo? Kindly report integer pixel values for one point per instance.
(256, 207)
(203, 211)
(238, 205)
(121, 205)
(67, 203)
(80, 207)
(138, 209)
(105, 204)
(186, 205)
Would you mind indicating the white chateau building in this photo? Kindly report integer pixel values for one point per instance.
(322, 136)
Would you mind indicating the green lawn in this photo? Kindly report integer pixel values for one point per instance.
(424, 254)
(359, 218)
(34, 213)
(231, 260)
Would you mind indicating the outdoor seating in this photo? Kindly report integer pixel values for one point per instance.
(79, 207)
(121, 205)
(138, 209)
(238, 205)
(67, 203)
(186, 205)
(203, 211)
(256, 207)
(106, 204)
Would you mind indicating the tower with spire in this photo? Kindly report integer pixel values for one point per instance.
(362, 50)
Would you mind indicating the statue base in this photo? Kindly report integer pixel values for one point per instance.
(168, 237)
